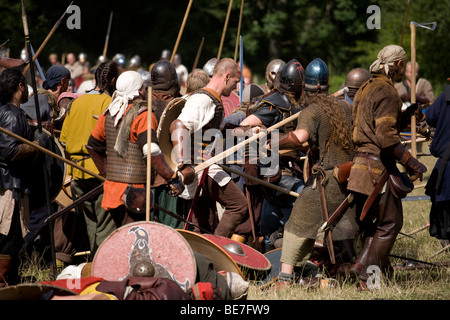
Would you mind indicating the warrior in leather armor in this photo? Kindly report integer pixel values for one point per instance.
(273, 207)
(16, 165)
(120, 137)
(203, 110)
(377, 121)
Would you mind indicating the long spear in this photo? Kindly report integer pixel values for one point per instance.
(105, 47)
(224, 30)
(239, 31)
(48, 36)
(181, 30)
(197, 57)
(51, 154)
(39, 125)
(413, 26)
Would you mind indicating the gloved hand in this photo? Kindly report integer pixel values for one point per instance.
(186, 174)
(42, 138)
(176, 188)
(414, 168)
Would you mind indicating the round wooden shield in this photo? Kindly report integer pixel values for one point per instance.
(32, 291)
(220, 259)
(170, 113)
(242, 254)
(146, 242)
(274, 257)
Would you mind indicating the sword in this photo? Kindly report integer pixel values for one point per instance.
(374, 194)
(337, 214)
(323, 206)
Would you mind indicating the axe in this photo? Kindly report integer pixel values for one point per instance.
(430, 26)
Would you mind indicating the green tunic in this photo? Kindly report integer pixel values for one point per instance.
(306, 217)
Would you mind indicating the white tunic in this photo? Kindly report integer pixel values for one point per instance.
(197, 112)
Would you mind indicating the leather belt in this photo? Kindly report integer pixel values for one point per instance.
(371, 157)
(367, 156)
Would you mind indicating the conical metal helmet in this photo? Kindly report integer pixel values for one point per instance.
(316, 75)
(292, 73)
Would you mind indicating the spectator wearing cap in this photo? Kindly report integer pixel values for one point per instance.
(56, 82)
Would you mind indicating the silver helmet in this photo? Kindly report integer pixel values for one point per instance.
(209, 66)
(273, 68)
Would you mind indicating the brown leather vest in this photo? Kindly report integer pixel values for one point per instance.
(219, 114)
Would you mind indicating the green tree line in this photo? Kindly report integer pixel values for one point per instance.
(335, 31)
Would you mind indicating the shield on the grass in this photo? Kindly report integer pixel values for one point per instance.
(146, 242)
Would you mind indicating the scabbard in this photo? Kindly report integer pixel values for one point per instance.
(337, 214)
(323, 206)
(374, 194)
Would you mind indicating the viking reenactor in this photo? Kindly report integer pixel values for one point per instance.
(182, 71)
(56, 82)
(354, 79)
(80, 120)
(438, 186)
(203, 110)
(273, 210)
(376, 116)
(165, 88)
(273, 69)
(120, 139)
(16, 166)
(325, 124)
(424, 90)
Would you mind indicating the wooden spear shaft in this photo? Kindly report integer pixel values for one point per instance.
(197, 57)
(224, 30)
(239, 31)
(413, 88)
(47, 38)
(54, 155)
(262, 182)
(175, 48)
(149, 161)
(242, 144)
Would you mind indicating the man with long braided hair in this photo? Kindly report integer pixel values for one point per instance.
(77, 127)
(325, 124)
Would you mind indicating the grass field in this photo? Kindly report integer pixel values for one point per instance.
(420, 284)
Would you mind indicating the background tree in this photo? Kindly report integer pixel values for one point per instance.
(335, 31)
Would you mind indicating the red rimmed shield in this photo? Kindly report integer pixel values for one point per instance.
(243, 255)
(146, 242)
(204, 246)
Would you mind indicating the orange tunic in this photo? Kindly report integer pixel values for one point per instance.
(112, 190)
